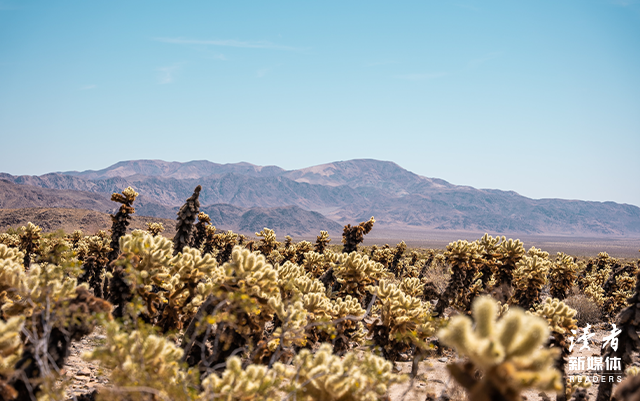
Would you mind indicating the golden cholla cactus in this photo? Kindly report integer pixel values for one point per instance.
(200, 235)
(533, 251)
(352, 236)
(251, 273)
(12, 276)
(509, 352)
(412, 286)
(624, 290)
(155, 228)
(464, 258)
(325, 376)
(255, 382)
(318, 263)
(563, 275)
(510, 253)
(268, 242)
(10, 352)
(489, 248)
(559, 316)
(29, 238)
(10, 240)
(355, 271)
(239, 307)
(121, 220)
(345, 326)
(529, 278)
(221, 244)
(184, 280)
(561, 320)
(384, 256)
(141, 359)
(96, 257)
(11, 253)
(595, 278)
(289, 333)
(41, 285)
(403, 321)
(396, 267)
(192, 278)
(322, 241)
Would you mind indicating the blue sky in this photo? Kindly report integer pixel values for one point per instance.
(538, 97)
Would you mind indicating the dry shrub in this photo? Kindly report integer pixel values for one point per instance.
(588, 311)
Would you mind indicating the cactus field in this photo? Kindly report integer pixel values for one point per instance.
(215, 315)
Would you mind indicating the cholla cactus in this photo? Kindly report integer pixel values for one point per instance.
(311, 377)
(595, 278)
(352, 236)
(155, 228)
(241, 301)
(489, 248)
(204, 221)
(289, 333)
(95, 263)
(29, 238)
(268, 243)
(397, 256)
(221, 244)
(346, 326)
(508, 352)
(29, 292)
(404, 321)
(563, 275)
(464, 258)
(624, 285)
(354, 272)
(412, 286)
(384, 255)
(142, 363)
(10, 240)
(561, 320)
(322, 241)
(184, 280)
(628, 321)
(255, 382)
(324, 376)
(510, 253)
(529, 278)
(10, 351)
(121, 220)
(186, 217)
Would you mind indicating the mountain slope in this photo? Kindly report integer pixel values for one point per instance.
(346, 192)
(47, 207)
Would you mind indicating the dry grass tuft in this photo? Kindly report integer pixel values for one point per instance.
(588, 311)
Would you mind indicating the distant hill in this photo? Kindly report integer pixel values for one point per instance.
(54, 208)
(345, 192)
(67, 219)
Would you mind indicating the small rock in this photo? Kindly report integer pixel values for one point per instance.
(100, 337)
(443, 360)
(84, 372)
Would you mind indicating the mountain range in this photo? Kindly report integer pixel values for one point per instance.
(246, 197)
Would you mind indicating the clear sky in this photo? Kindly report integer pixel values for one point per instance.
(540, 97)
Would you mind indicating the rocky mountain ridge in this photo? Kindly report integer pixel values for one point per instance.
(347, 192)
